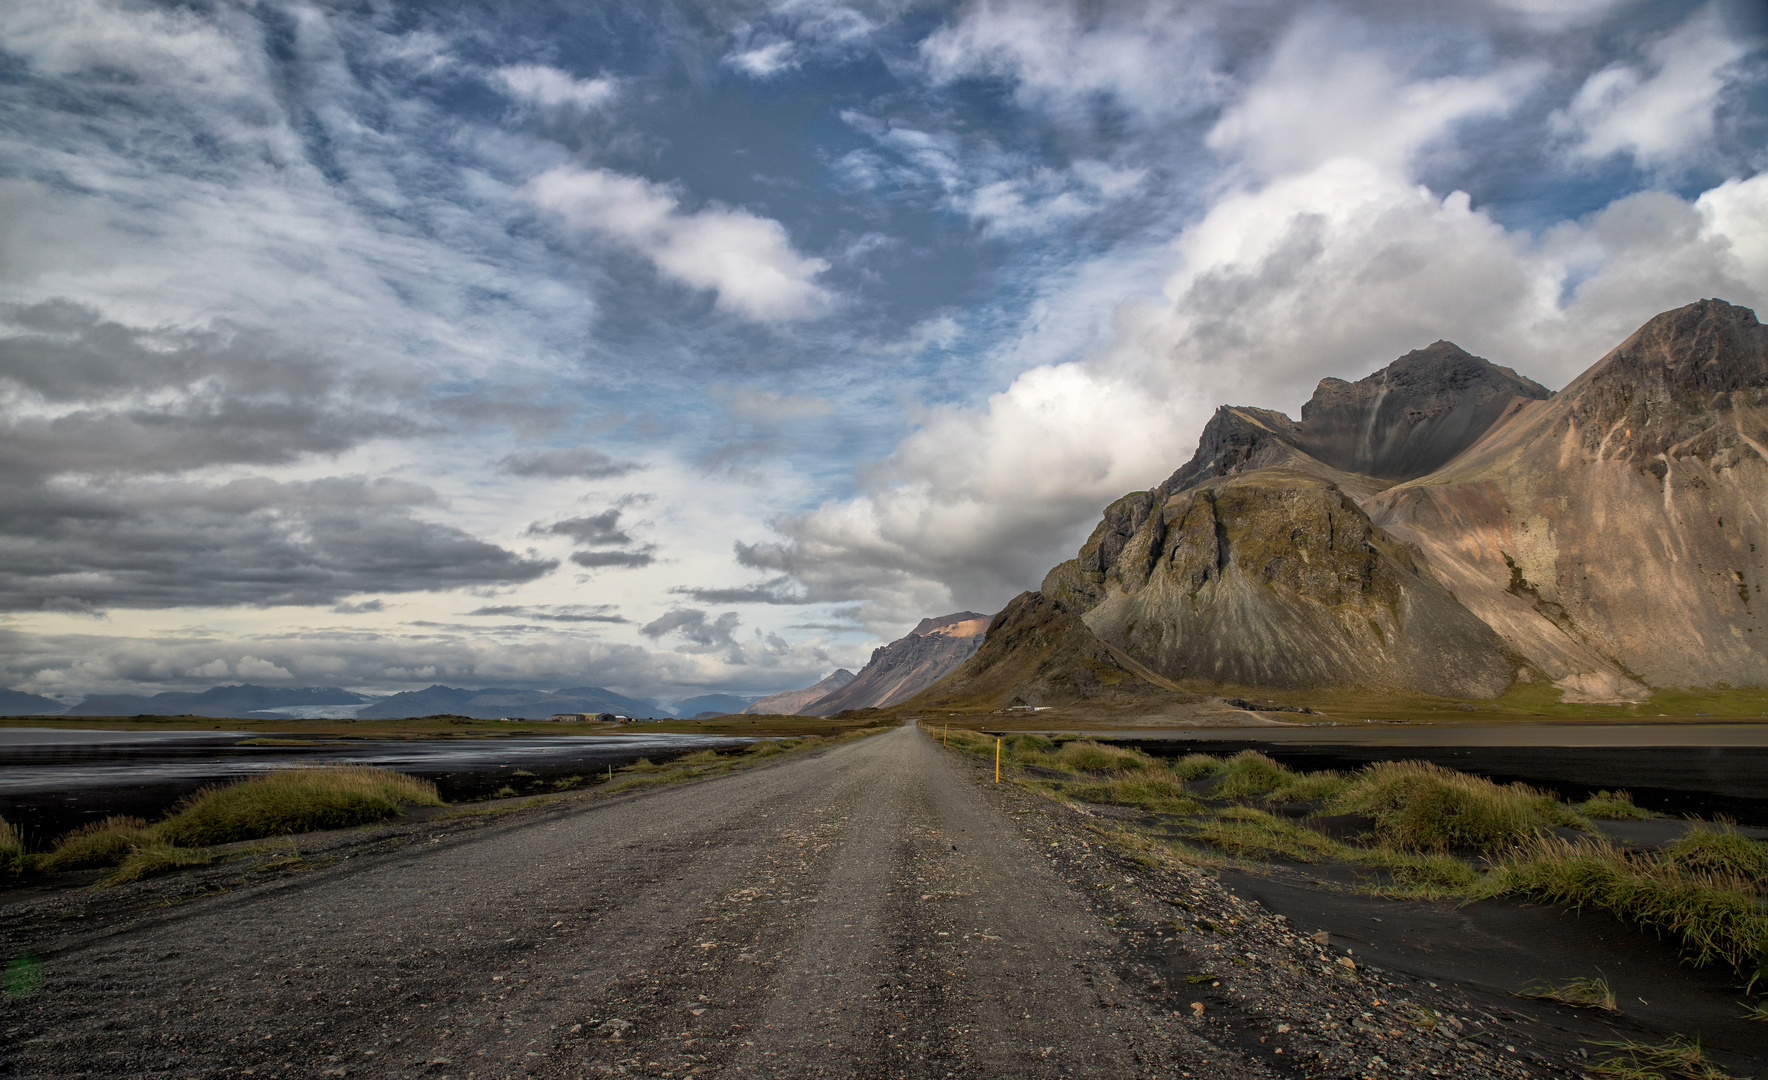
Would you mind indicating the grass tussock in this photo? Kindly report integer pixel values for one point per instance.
(154, 856)
(1677, 1059)
(1153, 789)
(12, 849)
(1719, 851)
(293, 801)
(98, 843)
(1198, 767)
(1084, 755)
(1612, 806)
(1417, 806)
(1579, 993)
(1711, 916)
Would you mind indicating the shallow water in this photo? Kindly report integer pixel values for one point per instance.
(54, 779)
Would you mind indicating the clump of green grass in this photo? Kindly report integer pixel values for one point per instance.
(1677, 1059)
(12, 849)
(700, 757)
(1153, 789)
(1249, 773)
(1612, 806)
(293, 801)
(763, 749)
(1084, 755)
(1713, 918)
(1246, 832)
(1420, 876)
(1418, 806)
(1579, 993)
(1721, 852)
(98, 843)
(153, 856)
(1198, 766)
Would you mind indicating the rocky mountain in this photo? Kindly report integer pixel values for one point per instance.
(792, 702)
(1038, 653)
(493, 703)
(1616, 535)
(220, 702)
(21, 703)
(1448, 526)
(908, 665)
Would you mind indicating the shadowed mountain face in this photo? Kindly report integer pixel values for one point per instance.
(792, 702)
(908, 665)
(1408, 419)
(1446, 526)
(1039, 653)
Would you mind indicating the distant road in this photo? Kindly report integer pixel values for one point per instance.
(862, 912)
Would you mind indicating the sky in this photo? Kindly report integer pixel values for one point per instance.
(704, 347)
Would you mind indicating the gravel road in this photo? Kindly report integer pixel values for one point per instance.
(873, 910)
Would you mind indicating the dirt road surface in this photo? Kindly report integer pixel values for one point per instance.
(874, 910)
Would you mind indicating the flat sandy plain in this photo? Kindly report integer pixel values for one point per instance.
(874, 909)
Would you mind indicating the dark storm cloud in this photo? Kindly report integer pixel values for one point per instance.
(565, 613)
(252, 542)
(776, 591)
(692, 624)
(366, 607)
(111, 399)
(578, 462)
(592, 560)
(597, 530)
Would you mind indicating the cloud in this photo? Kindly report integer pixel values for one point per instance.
(1661, 109)
(250, 667)
(748, 261)
(366, 607)
(1325, 94)
(1008, 194)
(565, 613)
(775, 591)
(550, 88)
(577, 462)
(764, 61)
(597, 560)
(597, 529)
(1152, 59)
(693, 625)
(256, 541)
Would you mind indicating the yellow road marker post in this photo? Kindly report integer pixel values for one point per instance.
(997, 761)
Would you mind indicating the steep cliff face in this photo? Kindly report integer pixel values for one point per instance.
(792, 702)
(1617, 535)
(1038, 653)
(1409, 418)
(908, 665)
(1277, 578)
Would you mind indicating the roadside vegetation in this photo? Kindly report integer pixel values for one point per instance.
(296, 801)
(1419, 831)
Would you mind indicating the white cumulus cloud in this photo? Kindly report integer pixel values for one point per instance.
(1662, 107)
(747, 260)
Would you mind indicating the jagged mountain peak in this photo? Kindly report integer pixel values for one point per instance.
(1404, 421)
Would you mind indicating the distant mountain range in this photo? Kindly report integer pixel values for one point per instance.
(249, 702)
(1443, 526)
(220, 702)
(493, 703)
(19, 703)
